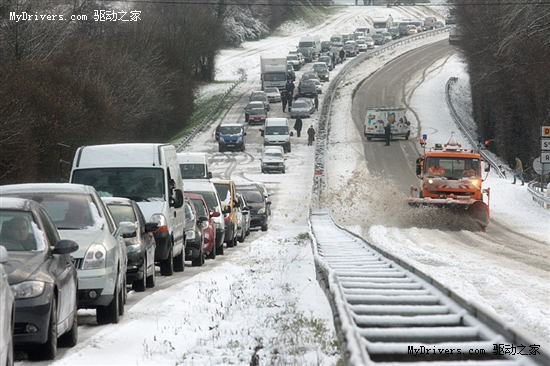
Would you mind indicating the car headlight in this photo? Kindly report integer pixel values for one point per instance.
(261, 211)
(287, 139)
(95, 257)
(190, 234)
(240, 139)
(27, 289)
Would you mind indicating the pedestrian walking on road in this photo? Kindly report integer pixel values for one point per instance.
(387, 133)
(316, 101)
(310, 135)
(284, 99)
(289, 97)
(518, 172)
(298, 127)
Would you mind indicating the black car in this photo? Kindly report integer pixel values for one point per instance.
(42, 277)
(140, 245)
(258, 203)
(194, 235)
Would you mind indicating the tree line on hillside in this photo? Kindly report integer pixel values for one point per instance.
(119, 76)
(507, 49)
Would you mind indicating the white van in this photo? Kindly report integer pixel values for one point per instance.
(277, 132)
(194, 165)
(148, 173)
(313, 42)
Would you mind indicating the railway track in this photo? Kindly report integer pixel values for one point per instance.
(388, 313)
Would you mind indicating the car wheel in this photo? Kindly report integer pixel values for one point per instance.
(151, 280)
(221, 149)
(235, 240)
(199, 261)
(219, 249)
(167, 265)
(283, 171)
(70, 338)
(407, 135)
(179, 261)
(140, 285)
(48, 350)
(110, 313)
(264, 227)
(243, 235)
(212, 254)
(230, 243)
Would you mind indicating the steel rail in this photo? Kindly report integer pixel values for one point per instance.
(389, 313)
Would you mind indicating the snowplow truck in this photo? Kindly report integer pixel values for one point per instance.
(378, 117)
(450, 178)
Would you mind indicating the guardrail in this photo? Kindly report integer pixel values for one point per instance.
(200, 126)
(534, 188)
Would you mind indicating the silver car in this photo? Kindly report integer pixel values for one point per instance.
(80, 215)
(300, 109)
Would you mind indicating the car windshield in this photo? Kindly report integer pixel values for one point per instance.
(69, 211)
(139, 184)
(273, 154)
(259, 97)
(271, 90)
(452, 168)
(276, 130)
(199, 207)
(209, 197)
(253, 196)
(190, 171)
(300, 104)
(292, 57)
(257, 111)
(230, 130)
(223, 192)
(19, 231)
(122, 213)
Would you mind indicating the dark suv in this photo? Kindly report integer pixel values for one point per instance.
(258, 203)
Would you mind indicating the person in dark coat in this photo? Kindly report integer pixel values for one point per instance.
(298, 127)
(289, 99)
(290, 86)
(387, 133)
(316, 101)
(284, 99)
(342, 54)
(310, 135)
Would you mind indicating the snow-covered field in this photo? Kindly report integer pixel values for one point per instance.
(261, 300)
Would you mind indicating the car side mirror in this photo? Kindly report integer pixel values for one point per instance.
(177, 198)
(65, 246)
(227, 210)
(268, 203)
(209, 175)
(261, 132)
(487, 168)
(291, 133)
(215, 214)
(125, 227)
(244, 133)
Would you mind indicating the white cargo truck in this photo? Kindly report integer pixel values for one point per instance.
(378, 117)
(273, 71)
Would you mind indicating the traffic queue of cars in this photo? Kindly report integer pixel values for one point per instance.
(81, 245)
